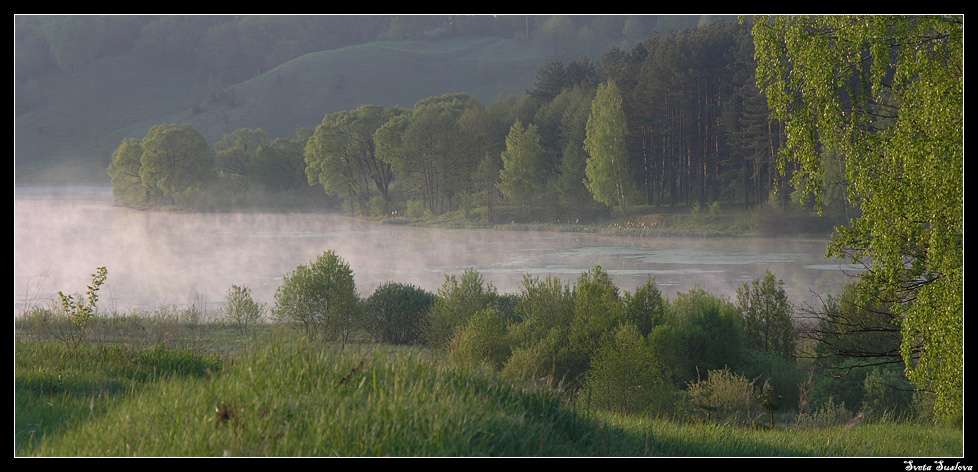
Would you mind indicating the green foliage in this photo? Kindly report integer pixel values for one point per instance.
(782, 377)
(597, 309)
(395, 313)
(241, 309)
(342, 155)
(483, 339)
(709, 330)
(427, 149)
(176, 163)
(237, 152)
(627, 377)
(569, 111)
(320, 297)
(767, 315)
(886, 93)
(524, 172)
(544, 305)
(887, 393)
(534, 359)
(127, 186)
(171, 165)
(607, 172)
(81, 310)
(457, 301)
(725, 397)
(851, 330)
(831, 413)
(646, 308)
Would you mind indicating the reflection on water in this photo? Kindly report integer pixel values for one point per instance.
(156, 258)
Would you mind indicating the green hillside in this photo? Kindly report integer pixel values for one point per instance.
(76, 121)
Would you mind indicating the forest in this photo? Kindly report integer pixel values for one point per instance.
(695, 131)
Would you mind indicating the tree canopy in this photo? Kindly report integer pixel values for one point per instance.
(171, 165)
(608, 176)
(887, 94)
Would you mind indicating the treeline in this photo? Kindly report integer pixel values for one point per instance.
(637, 352)
(689, 129)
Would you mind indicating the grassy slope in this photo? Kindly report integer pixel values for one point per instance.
(68, 137)
(291, 398)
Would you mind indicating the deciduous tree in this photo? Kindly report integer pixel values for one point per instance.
(607, 174)
(524, 173)
(887, 93)
(176, 164)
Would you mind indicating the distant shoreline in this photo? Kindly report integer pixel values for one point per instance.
(63, 190)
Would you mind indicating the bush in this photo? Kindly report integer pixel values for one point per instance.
(598, 309)
(534, 361)
(646, 308)
(827, 415)
(781, 374)
(378, 207)
(320, 297)
(416, 209)
(241, 309)
(709, 332)
(766, 312)
(886, 393)
(482, 340)
(395, 313)
(456, 302)
(626, 377)
(725, 396)
(544, 305)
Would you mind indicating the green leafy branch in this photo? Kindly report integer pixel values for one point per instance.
(80, 311)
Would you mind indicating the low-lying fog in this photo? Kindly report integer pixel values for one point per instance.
(157, 258)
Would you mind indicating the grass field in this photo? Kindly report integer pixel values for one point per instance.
(151, 388)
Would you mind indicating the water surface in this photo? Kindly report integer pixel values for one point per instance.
(157, 258)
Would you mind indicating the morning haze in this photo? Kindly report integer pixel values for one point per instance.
(488, 235)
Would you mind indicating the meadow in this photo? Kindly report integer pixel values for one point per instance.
(168, 384)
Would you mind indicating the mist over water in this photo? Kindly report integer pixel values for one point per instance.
(165, 258)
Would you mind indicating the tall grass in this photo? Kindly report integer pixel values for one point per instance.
(305, 399)
(166, 383)
(59, 387)
(287, 396)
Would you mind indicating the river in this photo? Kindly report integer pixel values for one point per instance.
(163, 258)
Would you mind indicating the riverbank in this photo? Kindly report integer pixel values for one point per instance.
(639, 221)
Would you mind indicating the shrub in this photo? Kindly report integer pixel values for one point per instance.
(81, 309)
(535, 360)
(482, 340)
(782, 375)
(626, 377)
(417, 209)
(544, 305)
(395, 312)
(597, 309)
(725, 396)
(320, 297)
(241, 309)
(646, 308)
(829, 414)
(766, 312)
(709, 331)
(887, 392)
(378, 207)
(456, 302)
